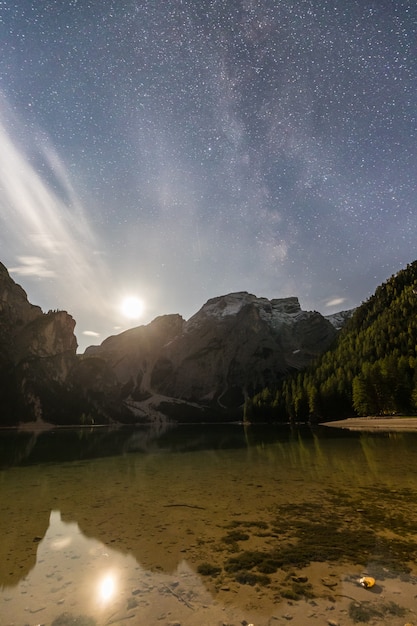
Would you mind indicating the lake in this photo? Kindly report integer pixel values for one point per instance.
(207, 525)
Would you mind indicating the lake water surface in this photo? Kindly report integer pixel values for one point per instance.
(207, 525)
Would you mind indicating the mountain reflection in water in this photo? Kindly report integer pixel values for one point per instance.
(115, 524)
(88, 578)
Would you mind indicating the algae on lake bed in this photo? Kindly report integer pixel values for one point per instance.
(365, 611)
(333, 529)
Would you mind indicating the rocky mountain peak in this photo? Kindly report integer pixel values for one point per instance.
(15, 309)
(233, 303)
(288, 306)
(222, 306)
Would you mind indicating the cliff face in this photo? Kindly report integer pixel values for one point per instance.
(41, 377)
(234, 346)
(15, 313)
(37, 353)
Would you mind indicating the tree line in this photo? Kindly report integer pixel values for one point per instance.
(371, 369)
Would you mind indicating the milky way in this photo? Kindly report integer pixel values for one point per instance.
(180, 150)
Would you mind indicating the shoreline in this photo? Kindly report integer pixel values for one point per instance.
(371, 423)
(368, 423)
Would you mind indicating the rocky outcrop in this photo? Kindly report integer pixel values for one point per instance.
(37, 353)
(42, 379)
(15, 313)
(233, 347)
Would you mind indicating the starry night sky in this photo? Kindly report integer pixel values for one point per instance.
(179, 150)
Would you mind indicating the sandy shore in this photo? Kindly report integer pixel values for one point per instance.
(376, 423)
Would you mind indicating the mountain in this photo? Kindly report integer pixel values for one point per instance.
(370, 370)
(202, 369)
(206, 366)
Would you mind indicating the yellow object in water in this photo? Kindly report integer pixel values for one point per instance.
(367, 581)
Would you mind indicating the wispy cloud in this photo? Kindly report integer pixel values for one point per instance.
(45, 232)
(32, 266)
(90, 333)
(335, 302)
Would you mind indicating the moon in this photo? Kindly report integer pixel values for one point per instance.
(132, 307)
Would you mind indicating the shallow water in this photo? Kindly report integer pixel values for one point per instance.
(114, 527)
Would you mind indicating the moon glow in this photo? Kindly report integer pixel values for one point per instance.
(132, 307)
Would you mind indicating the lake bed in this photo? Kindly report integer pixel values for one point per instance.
(208, 525)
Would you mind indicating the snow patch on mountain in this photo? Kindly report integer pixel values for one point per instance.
(338, 320)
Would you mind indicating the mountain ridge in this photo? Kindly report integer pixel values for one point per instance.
(232, 346)
(200, 369)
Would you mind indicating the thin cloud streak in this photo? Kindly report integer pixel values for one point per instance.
(46, 236)
(335, 302)
(90, 333)
(32, 266)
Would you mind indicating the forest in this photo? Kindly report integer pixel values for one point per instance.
(370, 370)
